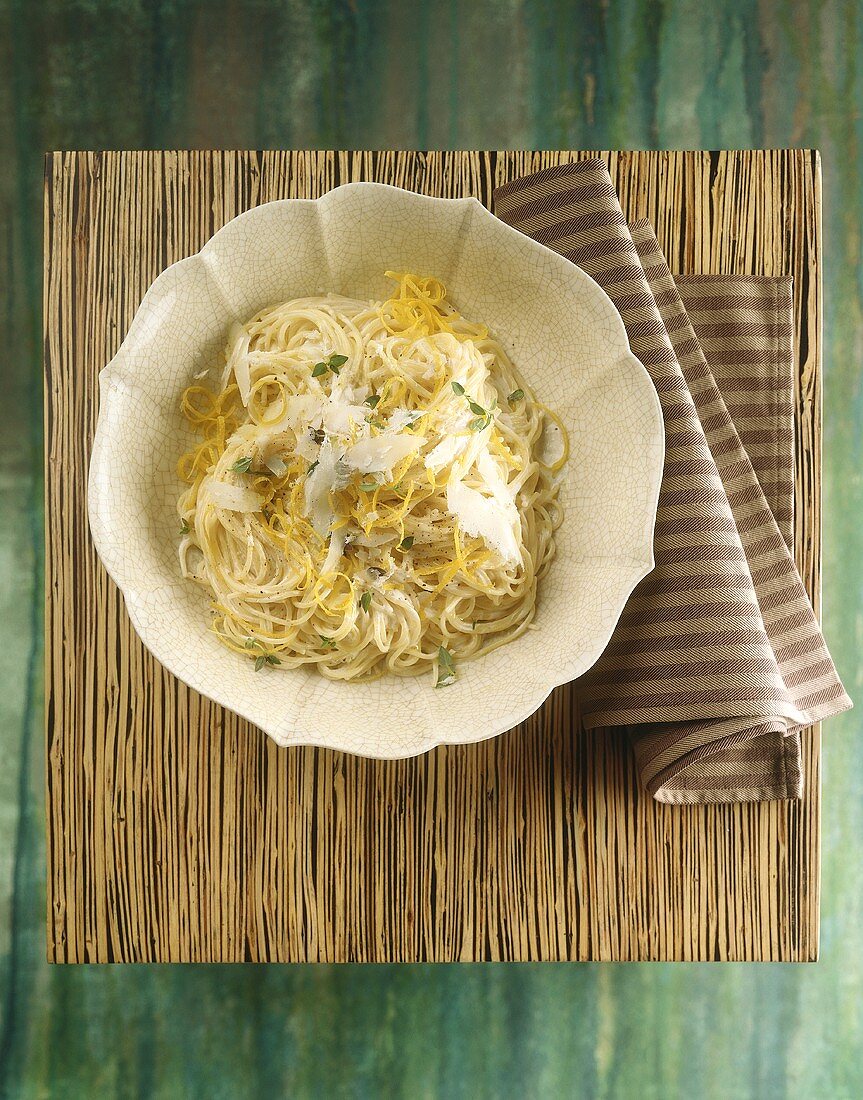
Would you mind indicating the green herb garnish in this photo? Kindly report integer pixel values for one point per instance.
(483, 416)
(445, 668)
(515, 397)
(372, 400)
(264, 659)
(334, 364)
(366, 601)
(312, 468)
(369, 486)
(327, 643)
(242, 465)
(184, 528)
(406, 543)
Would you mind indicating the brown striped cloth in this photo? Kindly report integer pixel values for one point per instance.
(718, 661)
(745, 326)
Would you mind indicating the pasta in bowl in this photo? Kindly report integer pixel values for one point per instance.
(373, 473)
(369, 494)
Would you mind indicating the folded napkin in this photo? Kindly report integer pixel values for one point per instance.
(717, 662)
(745, 326)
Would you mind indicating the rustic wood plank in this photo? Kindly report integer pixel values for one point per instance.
(178, 832)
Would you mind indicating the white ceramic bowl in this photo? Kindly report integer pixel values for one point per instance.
(567, 340)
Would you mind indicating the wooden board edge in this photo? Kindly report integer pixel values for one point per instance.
(814, 946)
(47, 224)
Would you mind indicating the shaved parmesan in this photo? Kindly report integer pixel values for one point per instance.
(238, 360)
(446, 451)
(338, 414)
(303, 411)
(234, 498)
(329, 474)
(489, 471)
(334, 553)
(339, 418)
(335, 415)
(276, 465)
(306, 446)
(486, 518)
(355, 395)
(382, 452)
(454, 443)
(401, 418)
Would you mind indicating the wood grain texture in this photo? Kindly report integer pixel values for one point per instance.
(177, 832)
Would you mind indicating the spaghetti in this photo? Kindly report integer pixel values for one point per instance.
(366, 493)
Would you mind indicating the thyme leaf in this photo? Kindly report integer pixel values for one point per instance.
(445, 668)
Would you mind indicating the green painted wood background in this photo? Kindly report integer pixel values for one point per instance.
(163, 73)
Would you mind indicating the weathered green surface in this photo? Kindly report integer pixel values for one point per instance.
(134, 73)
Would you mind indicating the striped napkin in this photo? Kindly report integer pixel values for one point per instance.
(718, 661)
(745, 326)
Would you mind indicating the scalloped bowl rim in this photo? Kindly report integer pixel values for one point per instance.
(119, 569)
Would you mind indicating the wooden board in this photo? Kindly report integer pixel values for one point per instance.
(177, 832)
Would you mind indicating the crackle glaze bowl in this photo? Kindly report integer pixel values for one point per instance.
(567, 340)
